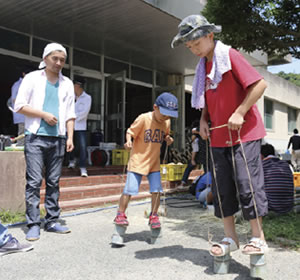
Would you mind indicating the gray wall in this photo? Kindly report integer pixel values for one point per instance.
(283, 94)
(12, 184)
(179, 8)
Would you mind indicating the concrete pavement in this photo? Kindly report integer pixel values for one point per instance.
(181, 253)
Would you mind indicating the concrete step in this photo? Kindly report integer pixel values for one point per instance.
(102, 190)
(101, 201)
(78, 192)
(94, 170)
(72, 181)
(97, 201)
(90, 180)
(75, 188)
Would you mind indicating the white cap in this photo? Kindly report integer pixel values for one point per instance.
(49, 49)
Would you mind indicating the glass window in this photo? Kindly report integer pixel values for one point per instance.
(87, 60)
(161, 79)
(141, 74)
(292, 119)
(66, 72)
(113, 66)
(38, 46)
(93, 125)
(268, 113)
(14, 41)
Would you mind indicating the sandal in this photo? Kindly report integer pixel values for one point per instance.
(226, 248)
(256, 243)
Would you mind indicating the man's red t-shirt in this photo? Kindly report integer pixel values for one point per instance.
(223, 99)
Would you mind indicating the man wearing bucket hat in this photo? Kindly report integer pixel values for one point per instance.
(226, 88)
(46, 98)
(149, 130)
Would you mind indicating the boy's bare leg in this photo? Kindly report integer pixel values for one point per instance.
(124, 200)
(229, 230)
(155, 202)
(257, 231)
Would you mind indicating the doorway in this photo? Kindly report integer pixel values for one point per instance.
(138, 101)
(124, 101)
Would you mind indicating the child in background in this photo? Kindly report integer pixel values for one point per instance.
(148, 132)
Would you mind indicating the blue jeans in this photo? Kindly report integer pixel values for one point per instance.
(3, 235)
(80, 143)
(187, 172)
(133, 182)
(203, 195)
(43, 154)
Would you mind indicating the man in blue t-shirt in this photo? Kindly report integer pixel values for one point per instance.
(46, 98)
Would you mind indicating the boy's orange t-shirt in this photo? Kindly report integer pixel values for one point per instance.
(148, 135)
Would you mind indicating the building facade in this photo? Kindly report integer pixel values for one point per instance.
(280, 104)
(122, 49)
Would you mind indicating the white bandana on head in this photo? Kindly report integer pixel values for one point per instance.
(49, 49)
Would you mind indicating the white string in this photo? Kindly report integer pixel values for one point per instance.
(251, 186)
(164, 186)
(215, 177)
(234, 169)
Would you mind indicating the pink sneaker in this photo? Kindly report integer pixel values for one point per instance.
(154, 221)
(121, 219)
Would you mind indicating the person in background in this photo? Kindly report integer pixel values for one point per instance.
(279, 181)
(83, 103)
(295, 142)
(46, 98)
(18, 119)
(9, 244)
(201, 189)
(195, 150)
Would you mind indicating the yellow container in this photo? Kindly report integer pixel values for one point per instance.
(296, 179)
(163, 172)
(120, 157)
(172, 172)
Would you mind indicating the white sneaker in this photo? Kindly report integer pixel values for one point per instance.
(83, 172)
(72, 164)
(182, 186)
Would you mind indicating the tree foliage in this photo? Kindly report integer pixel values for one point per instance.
(291, 77)
(270, 26)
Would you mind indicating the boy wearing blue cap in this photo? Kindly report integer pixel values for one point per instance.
(226, 88)
(148, 131)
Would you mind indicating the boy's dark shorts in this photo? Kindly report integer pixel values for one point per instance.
(226, 184)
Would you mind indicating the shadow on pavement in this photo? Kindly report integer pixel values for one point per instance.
(137, 236)
(198, 222)
(196, 256)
